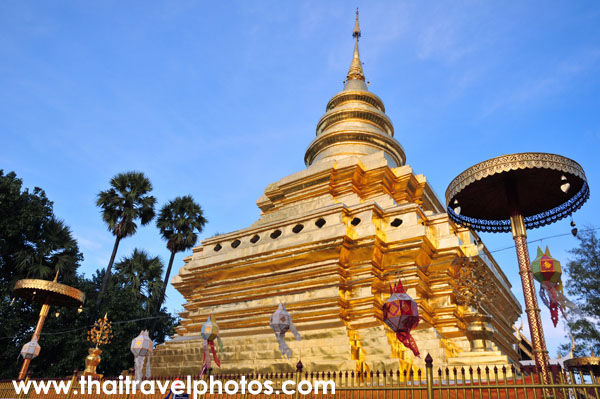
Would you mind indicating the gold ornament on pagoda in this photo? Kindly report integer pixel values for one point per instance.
(473, 289)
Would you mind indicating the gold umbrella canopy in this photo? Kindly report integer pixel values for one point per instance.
(49, 292)
(542, 187)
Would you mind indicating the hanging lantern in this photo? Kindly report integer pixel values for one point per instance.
(547, 271)
(142, 347)
(281, 322)
(210, 333)
(31, 349)
(401, 314)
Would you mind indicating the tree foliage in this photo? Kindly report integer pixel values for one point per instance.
(179, 222)
(123, 204)
(126, 201)
(34, 244)
(141, 274)
(584, 285)
(64, 338)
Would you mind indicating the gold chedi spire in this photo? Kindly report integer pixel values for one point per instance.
(356, 71)
(356, 32)
(355, 123)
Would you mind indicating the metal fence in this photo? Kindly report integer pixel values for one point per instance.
(430, 383)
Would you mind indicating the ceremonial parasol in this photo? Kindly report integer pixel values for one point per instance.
(512, 193)
(48, 293)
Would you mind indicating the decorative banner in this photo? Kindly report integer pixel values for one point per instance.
(401, 314)
(281, 322)
(210, 333)
(548, 272)
(142, 347)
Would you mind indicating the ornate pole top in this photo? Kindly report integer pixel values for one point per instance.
(356, 71)
(356, 32)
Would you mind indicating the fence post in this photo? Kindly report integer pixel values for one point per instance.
(73, 379)
(27, 377)
(299, 368)
(429, 375)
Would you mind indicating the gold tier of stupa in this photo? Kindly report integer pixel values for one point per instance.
(329, 242)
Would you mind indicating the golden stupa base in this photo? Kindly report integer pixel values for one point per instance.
(326, 350)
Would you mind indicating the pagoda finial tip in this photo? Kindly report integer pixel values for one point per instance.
(356, 71)
(356, 31)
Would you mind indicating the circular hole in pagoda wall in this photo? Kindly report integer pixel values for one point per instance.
(396, 222)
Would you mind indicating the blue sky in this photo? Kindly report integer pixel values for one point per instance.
(218, 100)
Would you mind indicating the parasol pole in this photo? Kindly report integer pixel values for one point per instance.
(540, 353)
(36, 336)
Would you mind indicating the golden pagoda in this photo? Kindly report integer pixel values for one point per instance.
(330, 241)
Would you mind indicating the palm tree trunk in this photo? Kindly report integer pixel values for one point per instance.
(107, 274)
(161, 297)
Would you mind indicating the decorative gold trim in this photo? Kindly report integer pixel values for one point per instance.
(362, 96)
(583, 362)
(380, 141)
(375, 116)
(506, 163)
(510, 162)
(49, 291)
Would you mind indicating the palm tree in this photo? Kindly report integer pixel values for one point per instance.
(55, 250)
(178, 222)
(122, 205)
(141, 273)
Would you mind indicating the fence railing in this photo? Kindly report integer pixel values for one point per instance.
(429, 383)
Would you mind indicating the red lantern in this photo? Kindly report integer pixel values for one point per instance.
(401, 314)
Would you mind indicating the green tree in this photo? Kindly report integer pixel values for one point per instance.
(63, 340)
(584, 284)
(31, 237)
(54, 251)
(23, 215)
(127, 201)
(122, 304)
(141, 274)
(34, 244)
(179, 221)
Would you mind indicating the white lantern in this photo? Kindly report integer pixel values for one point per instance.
(142, 347)
(281, 322)
(31, 349)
